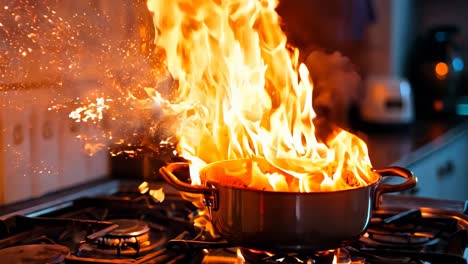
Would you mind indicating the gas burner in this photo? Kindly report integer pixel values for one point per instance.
(406, 230)
(131, 238)
(255, 256)
(129, 228)
(131, 233)
(35, 253)
(353, 255)
(403, 239)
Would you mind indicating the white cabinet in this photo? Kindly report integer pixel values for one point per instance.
(44, 125)
(15, 158)
(442, 172)
(72, 158)
(77, 164)
(97, 160)
(40, 151)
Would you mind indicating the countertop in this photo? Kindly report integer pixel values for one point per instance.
(404, 145)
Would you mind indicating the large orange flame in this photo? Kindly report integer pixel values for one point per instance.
(242, 94)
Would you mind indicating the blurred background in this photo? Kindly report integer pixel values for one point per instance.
(422, 43)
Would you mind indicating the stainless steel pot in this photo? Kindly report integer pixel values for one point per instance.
(287, 221)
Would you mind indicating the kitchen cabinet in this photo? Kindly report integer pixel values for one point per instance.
(40, 151)
(97, 161)
(44, 130)
(77, 163)
(72, 159)
(15, 144)
(442, 168)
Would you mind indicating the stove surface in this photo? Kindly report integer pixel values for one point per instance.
(114, 223)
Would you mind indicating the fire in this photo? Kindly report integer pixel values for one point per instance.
(243, 94)
(93, 111)
(156, 194)
(240, 257)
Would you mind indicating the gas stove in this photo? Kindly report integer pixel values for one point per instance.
(111, 222)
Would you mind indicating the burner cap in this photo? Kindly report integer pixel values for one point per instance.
(129, 228)
(36, 253)
(129, 238)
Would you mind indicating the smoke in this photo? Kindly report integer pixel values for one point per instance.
(337, 86)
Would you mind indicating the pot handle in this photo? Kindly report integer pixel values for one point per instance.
(410, 182)
(211, 194)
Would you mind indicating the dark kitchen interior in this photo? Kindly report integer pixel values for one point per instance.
(91, 169)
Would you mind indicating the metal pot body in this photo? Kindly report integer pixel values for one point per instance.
(289, 221)
(292, 221)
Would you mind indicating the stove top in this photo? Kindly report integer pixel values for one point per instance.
(119, 225)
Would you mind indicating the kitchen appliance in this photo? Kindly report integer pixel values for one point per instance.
(248, 217)
(112, 222)
(387, 100)
(435, 71)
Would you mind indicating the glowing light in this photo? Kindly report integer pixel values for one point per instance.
(438, 105)
(441, 36)
(457, 64)
(462, 109)
(405, 88)
(441, 70)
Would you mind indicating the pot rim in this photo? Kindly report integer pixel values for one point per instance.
(296, 193)
(214, 183)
